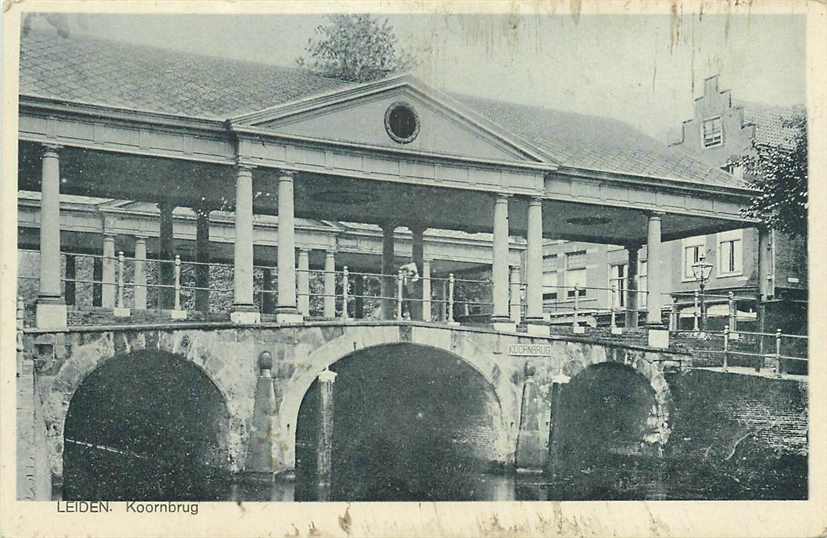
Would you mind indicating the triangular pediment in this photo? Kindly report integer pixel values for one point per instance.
(399, 113)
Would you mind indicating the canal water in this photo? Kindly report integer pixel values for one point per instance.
(439, 476)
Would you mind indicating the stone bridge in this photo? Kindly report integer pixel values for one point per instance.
(262, 373)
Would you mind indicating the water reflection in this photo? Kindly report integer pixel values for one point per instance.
(616, 479)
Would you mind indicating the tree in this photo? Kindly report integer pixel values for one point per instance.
(779, 174)
(356, 48)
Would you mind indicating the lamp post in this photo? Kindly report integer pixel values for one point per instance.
(701, 271)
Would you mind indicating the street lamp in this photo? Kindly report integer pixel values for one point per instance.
(701, 271)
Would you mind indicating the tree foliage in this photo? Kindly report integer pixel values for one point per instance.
(779, 174)
(357, 48)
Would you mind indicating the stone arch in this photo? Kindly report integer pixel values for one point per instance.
(358, 339)
(646, 368)
(91, 356)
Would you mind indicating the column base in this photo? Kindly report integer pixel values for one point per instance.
(503, 324)
(50, 314)
(617, 330)
(178, 314)
(537, 327)
(245, 314)
(658, 337)
(578, 329)
(288, 314)
(121, 312)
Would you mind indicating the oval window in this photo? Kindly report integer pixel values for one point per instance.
(401, 122)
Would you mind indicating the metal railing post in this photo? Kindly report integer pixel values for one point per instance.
(574, 322)
(120, 278)
(450, 314)
(733, 313)
(345, 280)
(674, 317)
(399, 295)
(779, 363)
(612, 291)
(726, 347)
(177, 282)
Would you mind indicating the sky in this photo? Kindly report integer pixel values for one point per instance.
(644, 70)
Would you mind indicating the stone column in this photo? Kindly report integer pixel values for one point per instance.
(533, 437)
(244, 308)
(108, 276)
(655, 279)
(70, 289)
(534, 268)
(632, 317)
(51, 309)
(499, 271)
(303, 280)
(324, 461)
(140, 273)
(264, 425)
(418, 258)
(329, 281)
(286, 311)
(166, 268)
(426, 290)
(514, 294)
(202, 256)
(388, 280)
(556, 423)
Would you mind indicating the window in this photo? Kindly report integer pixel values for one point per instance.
(576, 260)
(575, 277)
(402, 122)
(691, 254)
(617, 282)
(713, 133)
(730, 255)
(550, 286)
(736, 170)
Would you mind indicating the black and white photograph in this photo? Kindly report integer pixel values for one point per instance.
(368, 256)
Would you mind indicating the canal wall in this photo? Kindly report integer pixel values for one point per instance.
(725, 416)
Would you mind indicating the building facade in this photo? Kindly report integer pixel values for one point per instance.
(720, 132)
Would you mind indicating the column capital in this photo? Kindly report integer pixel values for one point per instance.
(50, 149)
(330, 251)
(655, 214)
(244, 165)
(502, 197)
(287, 175)
(304, 250)
(535, 200)
(327, 376)
(140, 237)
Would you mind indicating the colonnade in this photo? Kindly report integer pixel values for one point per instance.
(293, 286)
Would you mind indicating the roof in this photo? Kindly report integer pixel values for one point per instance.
(83, 69)
(105, 72)
(770, 123)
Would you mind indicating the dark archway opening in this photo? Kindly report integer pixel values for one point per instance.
(411, 423)
(598, 444)
(146, 426)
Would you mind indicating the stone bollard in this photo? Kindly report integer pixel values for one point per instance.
(260, 462)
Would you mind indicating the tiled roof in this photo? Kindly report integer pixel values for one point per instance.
(118, 74)
(597, 143)
(770, 122)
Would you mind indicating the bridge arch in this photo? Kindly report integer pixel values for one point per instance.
(356, 340)
(643, 370)
(97, 353)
